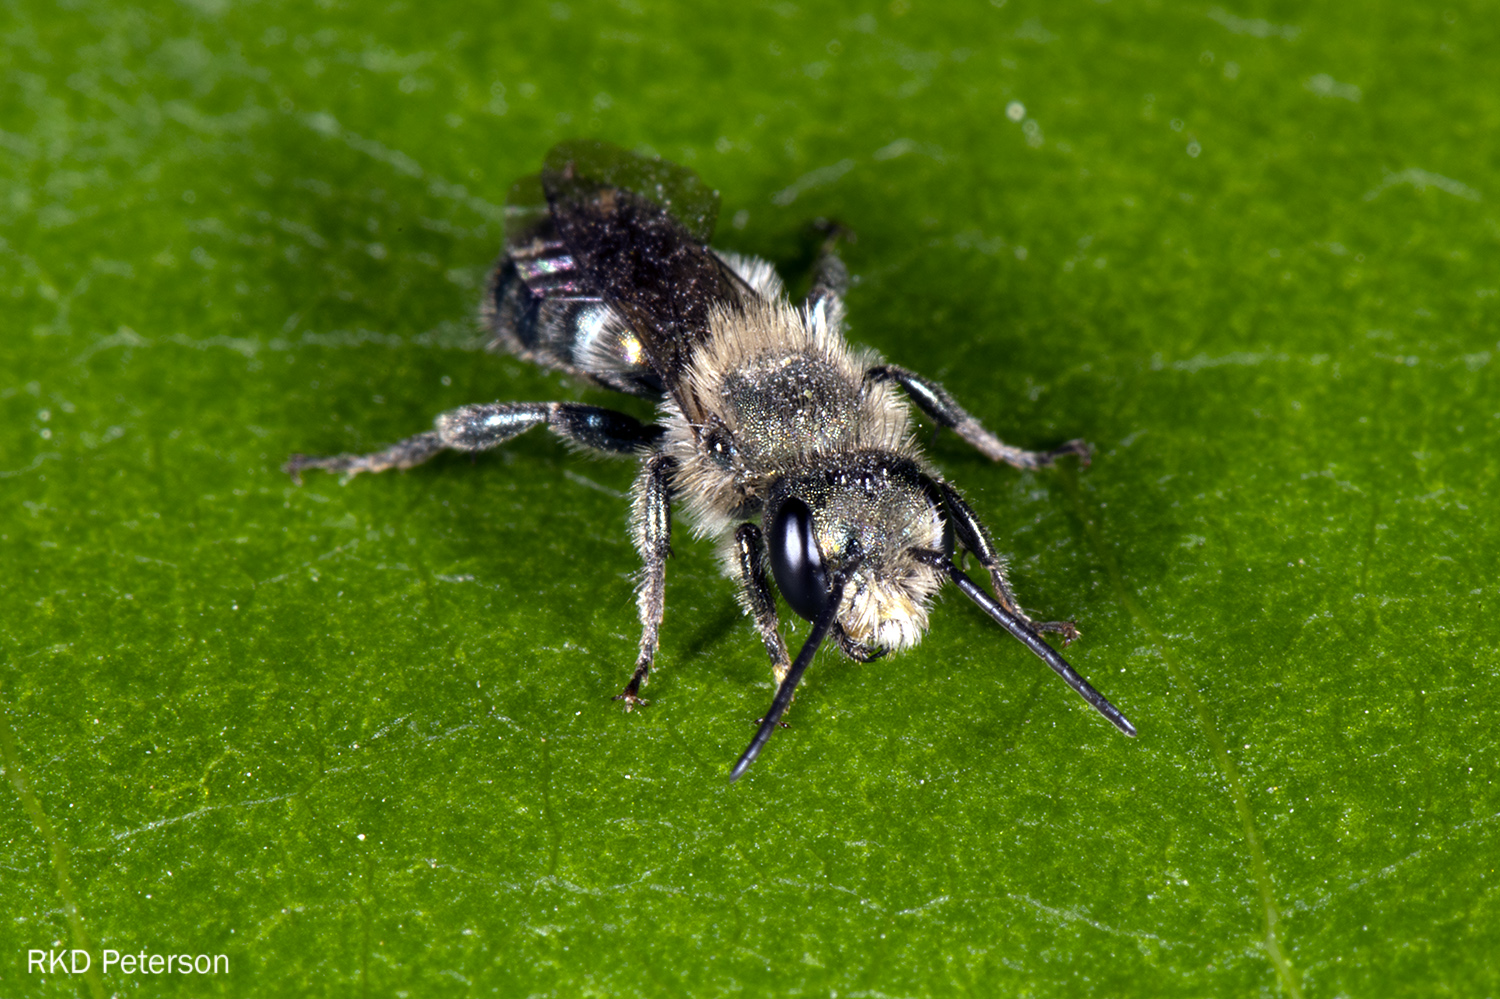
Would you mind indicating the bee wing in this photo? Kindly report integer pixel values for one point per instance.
(541, 304)
(584, 164)
(637, 230)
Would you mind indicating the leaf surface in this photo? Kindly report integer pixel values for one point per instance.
(360, 738)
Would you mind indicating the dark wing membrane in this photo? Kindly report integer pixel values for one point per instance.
(678, 190)
(541, 306)
(636, 230)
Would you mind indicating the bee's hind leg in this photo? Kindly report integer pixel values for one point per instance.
(403, 454)
(830, 278)
(480, 427)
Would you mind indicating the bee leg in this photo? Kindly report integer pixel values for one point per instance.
(755, 595)
(830, 278)
(971, 533)
(403, 454)
(935, 401)
(478, 428)
(651, 521)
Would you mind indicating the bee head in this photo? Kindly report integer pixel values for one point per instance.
(860, 517)
(859, 542)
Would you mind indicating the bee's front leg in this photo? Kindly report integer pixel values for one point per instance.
(974, 537)
(755, 595)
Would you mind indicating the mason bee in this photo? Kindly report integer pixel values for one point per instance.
(792, 448)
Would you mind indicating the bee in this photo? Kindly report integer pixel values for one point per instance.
(774, 435)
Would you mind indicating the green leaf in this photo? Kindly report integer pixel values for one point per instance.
(360, 739)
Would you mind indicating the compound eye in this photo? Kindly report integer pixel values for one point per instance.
(795, 560)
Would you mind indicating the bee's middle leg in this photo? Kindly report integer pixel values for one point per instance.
(651, 520)
(935, 401)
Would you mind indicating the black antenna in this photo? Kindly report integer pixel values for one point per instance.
(793, 677)
(1033, 641)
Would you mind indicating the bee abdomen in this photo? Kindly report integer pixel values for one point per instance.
(526, 279)
(541, 307)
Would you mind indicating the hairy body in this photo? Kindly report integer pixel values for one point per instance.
(776, 436)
